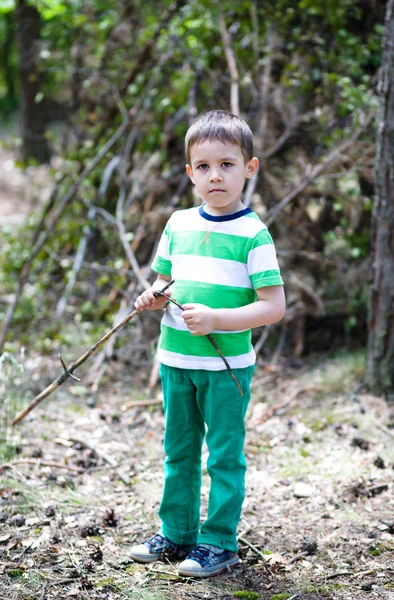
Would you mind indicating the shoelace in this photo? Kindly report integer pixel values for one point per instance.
(199, 554)
(156, 540)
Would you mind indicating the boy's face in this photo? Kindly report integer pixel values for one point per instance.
(219, 171)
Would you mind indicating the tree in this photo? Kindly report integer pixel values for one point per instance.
(33, 117)
(380, 371)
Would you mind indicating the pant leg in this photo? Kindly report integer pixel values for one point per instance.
(224, 411)
(184, 433)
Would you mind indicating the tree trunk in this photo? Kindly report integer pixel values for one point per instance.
(33, 117)
(7, 66)
(380, 369)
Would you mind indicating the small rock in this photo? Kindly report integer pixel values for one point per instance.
(367, 586)
(17, 520)
(360, 443)
(50, 511)
(379, 463)
(3, 517)
(309, 545)
(303, 490)
(91, 402)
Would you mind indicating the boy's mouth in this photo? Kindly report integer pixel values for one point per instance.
(216, 190)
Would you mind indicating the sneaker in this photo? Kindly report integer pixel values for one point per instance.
(206, 560)
(158, 546)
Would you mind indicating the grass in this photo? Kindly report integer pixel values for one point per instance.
(13, 396)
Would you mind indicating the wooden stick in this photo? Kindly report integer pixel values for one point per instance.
(214, 344)
(68, 371)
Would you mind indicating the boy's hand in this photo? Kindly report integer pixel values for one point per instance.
(148, 300)
(200, 319)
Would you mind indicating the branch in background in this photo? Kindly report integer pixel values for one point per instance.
(232, 65)
(265, 82)
(145, 54)
(317, 170)
(49, 229)
(78, 262)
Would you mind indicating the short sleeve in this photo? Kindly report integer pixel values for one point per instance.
(162, 262)
(263, 267)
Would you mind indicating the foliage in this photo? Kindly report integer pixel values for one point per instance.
(324, 58)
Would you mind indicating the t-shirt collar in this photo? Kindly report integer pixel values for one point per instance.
(236, 215)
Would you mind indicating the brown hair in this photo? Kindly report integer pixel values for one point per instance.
(223, 126)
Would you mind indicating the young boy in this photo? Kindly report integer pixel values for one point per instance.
(227, 278)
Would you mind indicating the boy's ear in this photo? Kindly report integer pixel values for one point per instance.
(190, 172)
(251, 167)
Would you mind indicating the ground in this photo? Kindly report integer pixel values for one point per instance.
(317, 519)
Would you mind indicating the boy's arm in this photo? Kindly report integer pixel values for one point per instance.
(269, 308)
(148, 301)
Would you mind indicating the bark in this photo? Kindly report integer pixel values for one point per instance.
(6, 51)
(33, 114)
(380, 367)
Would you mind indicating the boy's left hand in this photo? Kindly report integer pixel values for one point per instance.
(199, 318)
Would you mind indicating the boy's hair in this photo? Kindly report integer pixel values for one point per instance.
(223, 126)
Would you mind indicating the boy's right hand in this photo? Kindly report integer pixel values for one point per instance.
(148, 300)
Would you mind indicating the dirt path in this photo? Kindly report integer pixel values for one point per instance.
(317, 520)
(21, 191)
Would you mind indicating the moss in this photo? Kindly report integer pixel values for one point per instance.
(15, 573)
(282, 596)
(246, 595)
(376, 552)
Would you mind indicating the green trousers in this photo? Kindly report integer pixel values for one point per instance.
(198, 402)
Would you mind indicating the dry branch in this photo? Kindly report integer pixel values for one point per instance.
(68, 371)
(232, 65)
(317, 170)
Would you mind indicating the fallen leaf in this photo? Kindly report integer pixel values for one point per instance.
(275, 558)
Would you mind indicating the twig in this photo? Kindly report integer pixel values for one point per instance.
(136, 403)
(297, 557)
(44, 591)
(106, 457)
(255, 550)
(385, 430)
(69, 370)
(39, 462)
(214, 344)
(271, 411)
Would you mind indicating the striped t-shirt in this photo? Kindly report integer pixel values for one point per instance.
(219, 262)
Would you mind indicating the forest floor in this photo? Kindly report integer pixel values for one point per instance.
(317, 520)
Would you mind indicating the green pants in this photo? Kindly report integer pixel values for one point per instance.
(192, 399)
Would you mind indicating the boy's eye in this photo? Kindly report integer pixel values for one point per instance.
(203, 167)
(227, 164)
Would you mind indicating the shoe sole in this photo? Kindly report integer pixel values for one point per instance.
(209, 573)
(144, 559)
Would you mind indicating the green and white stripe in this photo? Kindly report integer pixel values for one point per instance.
(220, 264)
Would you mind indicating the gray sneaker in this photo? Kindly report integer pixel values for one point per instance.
(156, 547)
(206, 561)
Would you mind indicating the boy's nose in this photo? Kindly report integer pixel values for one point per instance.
(215, 176)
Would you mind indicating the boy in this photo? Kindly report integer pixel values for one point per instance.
(227, 278)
